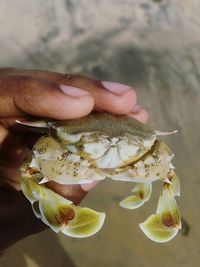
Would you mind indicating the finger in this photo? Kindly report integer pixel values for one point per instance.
(3, 134)
(13, 149)
(89, 186)
(141, 116)
(22, 94)
(10, 176)
(12, 153)
(108, 96)
(74, 193)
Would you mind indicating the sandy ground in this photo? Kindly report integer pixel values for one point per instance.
(153, 46)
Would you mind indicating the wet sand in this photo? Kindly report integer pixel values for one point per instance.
(154, 47)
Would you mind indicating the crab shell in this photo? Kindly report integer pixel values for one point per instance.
(92, 148)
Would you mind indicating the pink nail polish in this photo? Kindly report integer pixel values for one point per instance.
(116, 88)
(73, 91)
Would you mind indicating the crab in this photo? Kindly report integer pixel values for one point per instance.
(92, 148)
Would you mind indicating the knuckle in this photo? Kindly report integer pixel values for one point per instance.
(27, 88)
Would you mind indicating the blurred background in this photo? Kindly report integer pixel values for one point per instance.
(155, 47)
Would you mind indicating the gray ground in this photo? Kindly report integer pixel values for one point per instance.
(151, 45)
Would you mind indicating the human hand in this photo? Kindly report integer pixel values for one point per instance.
(46, 94)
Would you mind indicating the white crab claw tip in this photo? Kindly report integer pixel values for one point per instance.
(165, 133)
(38, 124)
(44, 180)
(166, 180)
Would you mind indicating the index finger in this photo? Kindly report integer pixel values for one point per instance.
(21, 95)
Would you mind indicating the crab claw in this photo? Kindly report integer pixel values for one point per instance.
(162, 133)
(32, 191)
(174, 185)
(36, 124)
(86, 222)
(165, 224)
(142, 193)
(60, 214)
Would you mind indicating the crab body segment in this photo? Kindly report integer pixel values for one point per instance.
(92, 148)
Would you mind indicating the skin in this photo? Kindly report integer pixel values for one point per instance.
(25, 93)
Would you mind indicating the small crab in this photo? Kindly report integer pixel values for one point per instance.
(92, 148)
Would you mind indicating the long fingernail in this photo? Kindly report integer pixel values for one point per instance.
(73, 91)
(116, 88)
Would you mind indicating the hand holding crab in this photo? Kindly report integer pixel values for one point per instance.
(55, 96)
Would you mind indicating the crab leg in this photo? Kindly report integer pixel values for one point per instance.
(165, 224)
(142, 193)
(59, 213)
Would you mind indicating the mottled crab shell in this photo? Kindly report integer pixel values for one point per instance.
(92, 148)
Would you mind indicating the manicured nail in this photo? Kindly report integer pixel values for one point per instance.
(73, 91)
(88, 187)
(116, 88)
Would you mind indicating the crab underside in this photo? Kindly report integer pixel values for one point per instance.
(92, 148)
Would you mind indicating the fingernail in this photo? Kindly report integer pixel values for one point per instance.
(73, 91)
(116, 88)
(88, 187)
(136, 108)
